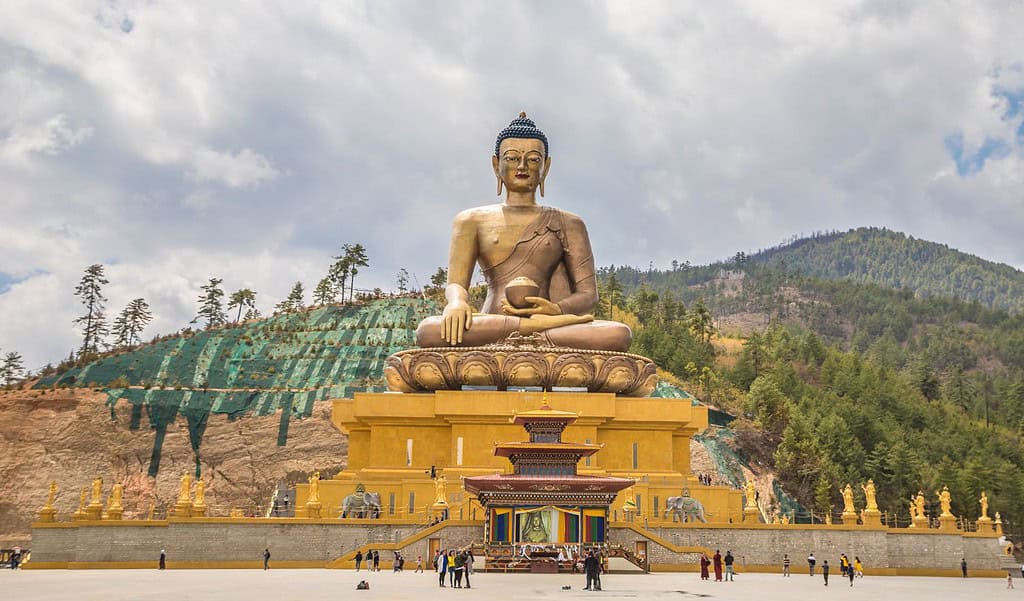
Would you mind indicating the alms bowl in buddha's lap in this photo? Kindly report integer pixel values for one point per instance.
(518, 289)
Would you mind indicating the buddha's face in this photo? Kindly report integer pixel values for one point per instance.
(521, 164)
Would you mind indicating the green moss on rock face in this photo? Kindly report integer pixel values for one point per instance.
(286, 362)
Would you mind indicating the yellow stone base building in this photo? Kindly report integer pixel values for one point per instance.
(398, 441)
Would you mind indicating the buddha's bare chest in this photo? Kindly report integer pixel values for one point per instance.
(497, 237)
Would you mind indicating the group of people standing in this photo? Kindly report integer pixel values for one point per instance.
(457, 564)
(717, 562)
(372, 560)
(704, 479)
(847, 569)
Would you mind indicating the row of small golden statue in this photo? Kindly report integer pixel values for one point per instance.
(91, 507)
(186, 507)
(88, 508)
(918, 517)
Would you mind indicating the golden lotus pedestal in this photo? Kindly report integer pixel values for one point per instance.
(520, 364)
(919, 521)
(985, 525)
(751, 515)
(198, 511)
(871, 517)
(182, 510)
(48, 514)
(114, 513)
(849, 518)
(312, 509)
(947, 522)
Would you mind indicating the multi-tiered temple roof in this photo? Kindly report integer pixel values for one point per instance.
(544, 468)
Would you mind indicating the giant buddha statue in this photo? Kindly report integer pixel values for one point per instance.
(522, 242)
(541, 293)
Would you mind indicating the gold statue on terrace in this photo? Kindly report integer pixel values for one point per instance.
(945, 501)
(542, 249)
(185, 489)
(847, 499)
(870, 502)
(536, 327)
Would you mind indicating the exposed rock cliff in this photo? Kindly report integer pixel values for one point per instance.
(70, 436)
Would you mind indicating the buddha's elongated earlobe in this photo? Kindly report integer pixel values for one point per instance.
(500, 185)
(544, 175)
(494, 166)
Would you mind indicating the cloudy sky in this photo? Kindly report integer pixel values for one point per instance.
(176, 141)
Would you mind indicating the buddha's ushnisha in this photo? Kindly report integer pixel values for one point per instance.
(521, 239)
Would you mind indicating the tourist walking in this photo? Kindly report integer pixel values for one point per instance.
(844, 564)
(858, 567)
(963, 566)
(1009, 579)
(850, 574)
(376, 560)
(419, 563)
(163, 559)
(728, 566)
(824, 571)
(266, 558)
(717, 561)
(359, 559)
(469, 565)
(705, 562)
(441, 564)
(810, 563)
(785, 565)
(451, 568)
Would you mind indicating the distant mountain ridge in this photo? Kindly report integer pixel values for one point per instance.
(892, 259)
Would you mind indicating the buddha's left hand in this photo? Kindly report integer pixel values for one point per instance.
(541, 306)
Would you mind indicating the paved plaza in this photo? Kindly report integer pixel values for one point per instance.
(316, 585)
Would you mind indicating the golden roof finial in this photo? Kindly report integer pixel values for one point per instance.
(522, 114)
(544, 401)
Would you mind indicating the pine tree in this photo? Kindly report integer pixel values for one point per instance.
(324, 292)
(253, 313)
(701, 322)
(12, 369)
(440, 278)
(94, 323)
(357, 258)
(211, 304)
(402, 279)
(130, 322)
(613, 290)
(339, 272)
(293, 302)
(243, 299)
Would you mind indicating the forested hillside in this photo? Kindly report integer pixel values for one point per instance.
(895, 260)
(840, 381)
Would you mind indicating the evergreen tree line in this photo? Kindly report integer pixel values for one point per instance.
(880, 256)
(846, 381)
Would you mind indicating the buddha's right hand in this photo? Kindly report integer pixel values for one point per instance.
(456, 319)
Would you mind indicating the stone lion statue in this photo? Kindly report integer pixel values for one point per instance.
(685, 508)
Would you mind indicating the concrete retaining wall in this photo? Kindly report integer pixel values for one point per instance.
(762, 547)
(219, 542)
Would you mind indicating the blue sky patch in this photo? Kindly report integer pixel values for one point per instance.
(971, 163)
(7, 280)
